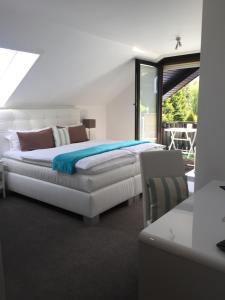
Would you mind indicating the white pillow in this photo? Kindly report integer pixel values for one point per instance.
(66, 126)
(14, 144)
(12, 137)
(61, 136)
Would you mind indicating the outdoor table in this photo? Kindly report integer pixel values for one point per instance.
(188, 137)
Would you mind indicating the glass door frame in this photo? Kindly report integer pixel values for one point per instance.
(158, 66)
(188, 58)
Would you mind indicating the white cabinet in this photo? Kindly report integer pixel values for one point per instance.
(178, 256)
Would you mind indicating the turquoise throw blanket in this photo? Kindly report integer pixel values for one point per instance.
(65, 163)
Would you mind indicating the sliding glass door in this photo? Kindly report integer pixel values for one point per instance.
(151, 89)
(146, 101)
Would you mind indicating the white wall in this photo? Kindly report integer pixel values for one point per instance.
(211, 126)
(115, 119)
(81, 69)
(84, 70)
(120, 112)
(97, 112)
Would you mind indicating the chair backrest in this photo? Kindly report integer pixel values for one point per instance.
(158, 164)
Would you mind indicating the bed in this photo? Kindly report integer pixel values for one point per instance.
(100, 181)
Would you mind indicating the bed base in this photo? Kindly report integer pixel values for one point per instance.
(89, 205)
(130, 201)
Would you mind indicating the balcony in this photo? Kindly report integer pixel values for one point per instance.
(182, 140)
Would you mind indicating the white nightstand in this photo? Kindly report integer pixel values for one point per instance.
(2, 179)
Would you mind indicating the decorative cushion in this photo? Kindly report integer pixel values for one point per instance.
(165, 193)
(36, 140)
(12, 137)
(61, 136)
(78, 134)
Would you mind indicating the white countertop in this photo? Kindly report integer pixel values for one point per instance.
(193, 227)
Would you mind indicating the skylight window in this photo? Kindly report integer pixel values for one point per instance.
(14, 65)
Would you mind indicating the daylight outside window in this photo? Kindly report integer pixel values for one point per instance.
(14, 65)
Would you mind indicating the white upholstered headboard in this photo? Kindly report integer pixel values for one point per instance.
(26, 119)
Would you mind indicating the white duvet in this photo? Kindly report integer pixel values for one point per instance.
(101, 161)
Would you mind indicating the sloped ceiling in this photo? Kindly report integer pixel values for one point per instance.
(86, 45)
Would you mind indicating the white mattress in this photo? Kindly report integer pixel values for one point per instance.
(105, 166)
(81, 182)
(89, 165)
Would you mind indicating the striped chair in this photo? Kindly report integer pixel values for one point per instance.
(163, 181)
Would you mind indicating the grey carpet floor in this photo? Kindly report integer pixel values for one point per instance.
(50, 254)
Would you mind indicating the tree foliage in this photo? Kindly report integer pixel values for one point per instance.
(183, 105)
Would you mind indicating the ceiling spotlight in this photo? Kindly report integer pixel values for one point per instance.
(178, 42)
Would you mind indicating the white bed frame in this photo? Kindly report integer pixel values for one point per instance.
(89, 205)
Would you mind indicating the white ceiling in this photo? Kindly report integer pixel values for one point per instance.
(85, 45)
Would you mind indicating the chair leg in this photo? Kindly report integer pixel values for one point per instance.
(2, 279)
(91, 221)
